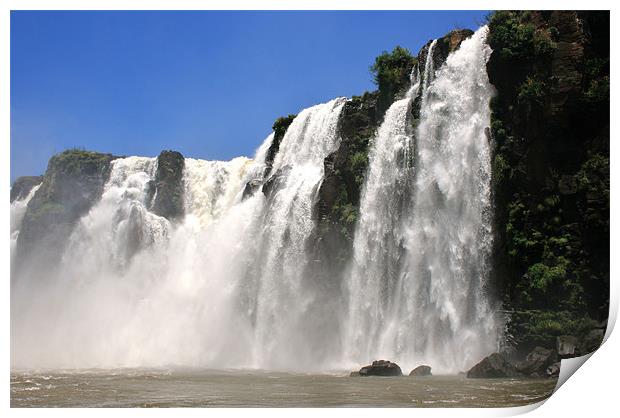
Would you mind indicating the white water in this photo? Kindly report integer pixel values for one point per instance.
(17, 212)
(416, 285)
(229, 284)
(221, 288)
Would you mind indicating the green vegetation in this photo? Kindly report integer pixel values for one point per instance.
(391, 71)
(550, 171)
(532, 91)
(281, 125)
(540, 328)
(77, 161)
(279, 129)
(515, 37)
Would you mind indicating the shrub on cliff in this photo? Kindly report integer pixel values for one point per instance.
(391, 71)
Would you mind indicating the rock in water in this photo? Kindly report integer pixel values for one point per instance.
(493, 366)
(566, 345)
(421, 371)
(536, 362)
(553, 370)
(381, 368)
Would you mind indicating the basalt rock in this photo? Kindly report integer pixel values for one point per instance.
(493, 366)
(537, 362)
(553, 370)
(167, 191)
(421, 371)
(381, 368)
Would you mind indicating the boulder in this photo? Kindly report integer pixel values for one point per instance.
(421, 371)
(553, 370)
(493, 366)
(591, 341)
(566, 346)
(381, 368)
(537, 361)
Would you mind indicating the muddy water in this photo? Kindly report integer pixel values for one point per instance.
(191, 388)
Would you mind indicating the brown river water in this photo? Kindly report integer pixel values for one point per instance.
(210, 388)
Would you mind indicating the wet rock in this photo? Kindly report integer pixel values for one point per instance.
(381, 368)
(168, 190)
(566, 346)
(553, 370)
(421, 371)
(493, 366)
(355, 374)
(537, 361)
(279, 130)
(251, 187)
(276, 180)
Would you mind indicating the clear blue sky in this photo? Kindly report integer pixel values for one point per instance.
(208, 84)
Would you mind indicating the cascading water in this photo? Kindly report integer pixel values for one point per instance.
(18, 210)
(229, 285)
(223, 287)
(281, 295)
(378, 245)
(416, 286)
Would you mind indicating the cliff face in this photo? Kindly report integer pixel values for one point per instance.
(72, 183)
(550, 124)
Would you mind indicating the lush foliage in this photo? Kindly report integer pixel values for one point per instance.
(540, 328)
(551, 170)
(281, 125)
(391, 71)
(516, 38)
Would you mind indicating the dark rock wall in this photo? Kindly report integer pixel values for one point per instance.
(167, 190)
(550, 124)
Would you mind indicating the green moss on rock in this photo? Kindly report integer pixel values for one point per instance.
(72, 183)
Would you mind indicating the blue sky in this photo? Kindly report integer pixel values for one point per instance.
(208, 84)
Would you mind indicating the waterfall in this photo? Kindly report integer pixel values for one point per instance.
(231, 285)
(222, 287)
(422, 246)
(17, 212)
(282, 296)
(429, 68)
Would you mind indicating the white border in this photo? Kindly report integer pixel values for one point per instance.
(593, 392)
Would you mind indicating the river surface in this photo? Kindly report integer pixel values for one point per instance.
(204, 388)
